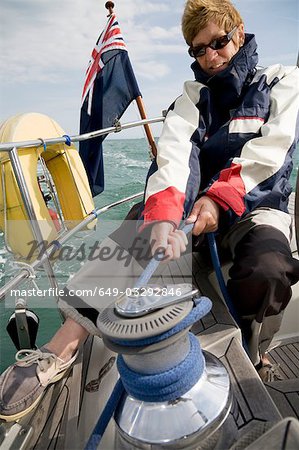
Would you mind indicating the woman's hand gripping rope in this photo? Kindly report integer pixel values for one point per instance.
(204, 218)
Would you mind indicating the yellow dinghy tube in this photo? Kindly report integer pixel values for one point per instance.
(66, 169)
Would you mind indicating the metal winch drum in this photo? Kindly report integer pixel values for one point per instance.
(176, 396)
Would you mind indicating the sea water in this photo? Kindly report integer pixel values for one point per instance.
(126, 165)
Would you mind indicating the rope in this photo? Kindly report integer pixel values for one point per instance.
(105, 417)
(219, 275)
(43, 143)
(222, 285)
(68, 140)
(168, 385)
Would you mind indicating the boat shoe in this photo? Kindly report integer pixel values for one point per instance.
(23, 383)
(269, 373)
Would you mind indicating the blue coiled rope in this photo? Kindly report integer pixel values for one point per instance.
(168, 385)
(172, 383)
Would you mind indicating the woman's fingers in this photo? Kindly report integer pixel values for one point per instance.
(159, 236)
(177, 241)
(171, 242)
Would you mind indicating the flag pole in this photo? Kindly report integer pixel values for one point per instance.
(139, 101)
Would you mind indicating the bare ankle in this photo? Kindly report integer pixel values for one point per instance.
(265, 359)
(65, 353)
(67, 339)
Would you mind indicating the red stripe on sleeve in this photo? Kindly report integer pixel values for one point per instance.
(248, 118)
(165, 205)
(229, 190)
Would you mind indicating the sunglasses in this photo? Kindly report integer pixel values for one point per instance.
(215, 44)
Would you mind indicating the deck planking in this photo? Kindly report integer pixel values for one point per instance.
(285, 393)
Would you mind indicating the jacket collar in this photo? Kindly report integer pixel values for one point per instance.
(228, 84)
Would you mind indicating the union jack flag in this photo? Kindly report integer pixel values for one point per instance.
(110, 39)
(110, 86)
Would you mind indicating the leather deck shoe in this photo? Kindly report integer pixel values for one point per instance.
(23, 383)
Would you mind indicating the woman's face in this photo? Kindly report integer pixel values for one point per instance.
(214, 61)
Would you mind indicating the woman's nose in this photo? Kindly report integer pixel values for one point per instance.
(211, 53)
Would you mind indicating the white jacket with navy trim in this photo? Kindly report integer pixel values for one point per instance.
(231, 137)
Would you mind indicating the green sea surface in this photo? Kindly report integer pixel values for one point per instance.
(126, 165)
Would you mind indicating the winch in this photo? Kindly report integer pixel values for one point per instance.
(175, 395)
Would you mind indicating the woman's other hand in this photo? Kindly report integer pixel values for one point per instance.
(204, 215)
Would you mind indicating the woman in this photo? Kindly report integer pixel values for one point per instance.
(235, 129)
(224, 159)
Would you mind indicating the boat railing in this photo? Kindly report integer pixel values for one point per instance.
(28, 270)
(10, 146)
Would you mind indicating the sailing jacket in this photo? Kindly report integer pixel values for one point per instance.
(230, 137)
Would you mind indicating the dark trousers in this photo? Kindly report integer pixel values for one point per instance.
(261, 277)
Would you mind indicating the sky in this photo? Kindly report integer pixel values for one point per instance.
(45, 47)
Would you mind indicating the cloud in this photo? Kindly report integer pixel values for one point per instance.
(47, 40)
(163, 33)
(152, 70)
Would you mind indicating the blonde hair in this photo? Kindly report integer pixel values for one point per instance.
(198, 13)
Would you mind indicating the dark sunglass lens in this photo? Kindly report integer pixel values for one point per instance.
(195, 52)
(220, 42)
(199, 51)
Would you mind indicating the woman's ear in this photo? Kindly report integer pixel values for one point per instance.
(241, 34)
